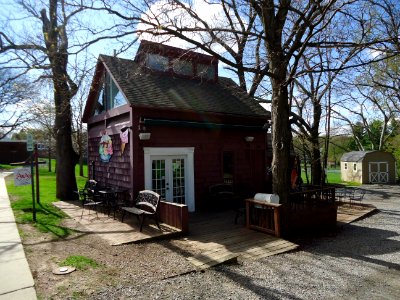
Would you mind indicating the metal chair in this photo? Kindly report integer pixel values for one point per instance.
(357, 195)
(87, 196)
(341, 194)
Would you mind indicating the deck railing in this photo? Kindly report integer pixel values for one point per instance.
(312, 195)
(313, 207)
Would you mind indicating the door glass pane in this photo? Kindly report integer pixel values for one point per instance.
(158, 172)
(178, 180)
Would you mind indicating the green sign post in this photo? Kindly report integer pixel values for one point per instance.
(29, 148)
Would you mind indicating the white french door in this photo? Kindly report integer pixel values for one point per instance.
(170, 173)
(168, 178)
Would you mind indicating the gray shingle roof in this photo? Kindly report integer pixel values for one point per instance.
(149, 89)
(354, 156)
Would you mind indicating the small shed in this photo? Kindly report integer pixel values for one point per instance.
(368, 167)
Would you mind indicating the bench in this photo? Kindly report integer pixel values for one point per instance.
(145, 205)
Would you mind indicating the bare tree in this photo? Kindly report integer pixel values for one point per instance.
(259, 39)
(47, 39)
(373, 105)
(14, 93)
(43, 114)
(311, 100)
(371, 95)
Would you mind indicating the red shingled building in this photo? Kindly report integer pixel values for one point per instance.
(187, 127)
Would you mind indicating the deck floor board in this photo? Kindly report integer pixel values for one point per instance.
(216, 239)
(113, 231)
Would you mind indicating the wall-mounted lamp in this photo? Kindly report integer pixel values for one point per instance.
(249, 138)
(144, 136)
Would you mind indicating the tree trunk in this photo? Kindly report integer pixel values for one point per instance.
(281, 134)
(65, 155)
(81, 163)
(316, 170)
(49, 153)
(56, 40)
(80, 148)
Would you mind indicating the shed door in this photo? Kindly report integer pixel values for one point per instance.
(378, 172)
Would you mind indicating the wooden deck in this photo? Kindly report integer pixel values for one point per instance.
(214, 239)
(347, 213)
(114, 231)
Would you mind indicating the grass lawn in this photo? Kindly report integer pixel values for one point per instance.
(333, 177)
(48, 217)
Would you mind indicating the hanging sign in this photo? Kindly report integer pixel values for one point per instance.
(22, 176)
(124, 140)
(105, 149)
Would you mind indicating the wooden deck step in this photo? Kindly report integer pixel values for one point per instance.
(205, 261)
(242, 244)
(349, 214)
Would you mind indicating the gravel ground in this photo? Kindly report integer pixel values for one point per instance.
(361, 261)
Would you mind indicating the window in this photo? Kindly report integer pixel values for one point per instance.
(345, 166)
(115, 97)
(109, 96)
(206, 71)
(354, 167)
(183, 67)
(157, 62)
(227, 165)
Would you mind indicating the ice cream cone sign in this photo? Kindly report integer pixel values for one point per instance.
(106, 148)
(124, 139)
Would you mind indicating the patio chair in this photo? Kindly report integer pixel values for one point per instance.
(341, 194)
(88, 196)
(357, 195)
(146, 205)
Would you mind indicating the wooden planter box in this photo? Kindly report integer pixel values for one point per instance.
(263, 216)
(175, 215)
